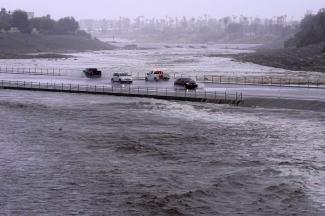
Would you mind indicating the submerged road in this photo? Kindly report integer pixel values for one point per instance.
(248, 91)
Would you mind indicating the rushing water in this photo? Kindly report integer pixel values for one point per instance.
(69, 154)
(188, 60)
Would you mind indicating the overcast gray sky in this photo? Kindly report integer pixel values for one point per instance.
(160, 8)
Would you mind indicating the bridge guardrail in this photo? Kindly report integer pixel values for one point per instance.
(195, 95)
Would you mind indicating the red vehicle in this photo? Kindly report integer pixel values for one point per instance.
(157, 75)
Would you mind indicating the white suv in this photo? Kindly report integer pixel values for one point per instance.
(122, 78)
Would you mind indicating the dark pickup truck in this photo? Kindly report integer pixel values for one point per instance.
(92, 73)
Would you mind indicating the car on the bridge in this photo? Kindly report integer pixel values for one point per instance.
(122, 78)
(188, 83)
(92, 73)
(156, 75)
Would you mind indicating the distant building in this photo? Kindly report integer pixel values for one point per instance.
(30, 15)
(35, 31)
(3, 11)
(13, 30)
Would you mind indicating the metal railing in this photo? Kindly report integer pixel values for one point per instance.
(177, 94)
(31, 71)
(263, 80)
(216, 79)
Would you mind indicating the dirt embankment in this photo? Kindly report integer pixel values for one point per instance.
(309, 58)
(17, 45)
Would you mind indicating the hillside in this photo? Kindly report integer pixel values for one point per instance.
(18, 43)
(308, 58)
(304, 51)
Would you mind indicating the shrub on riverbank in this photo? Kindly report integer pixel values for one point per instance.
(308, 58)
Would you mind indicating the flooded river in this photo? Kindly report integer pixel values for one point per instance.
(187, 60)
(70, 154)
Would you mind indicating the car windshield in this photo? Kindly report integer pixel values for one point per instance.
(188, 80)
(124, 74)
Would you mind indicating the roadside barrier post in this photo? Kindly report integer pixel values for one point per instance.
(225, 95)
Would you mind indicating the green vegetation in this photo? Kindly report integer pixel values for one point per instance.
(304, 51)
(312, 31)
(42, 34)
(45, 25)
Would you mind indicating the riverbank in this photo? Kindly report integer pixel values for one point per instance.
(34, 56)
(309, 58)
(282, 103)
(17, 45)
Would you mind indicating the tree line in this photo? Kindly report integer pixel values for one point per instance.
(46, 25)
(203, 29)
(311, 30)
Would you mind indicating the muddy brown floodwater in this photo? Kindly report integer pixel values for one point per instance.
(69, 154)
